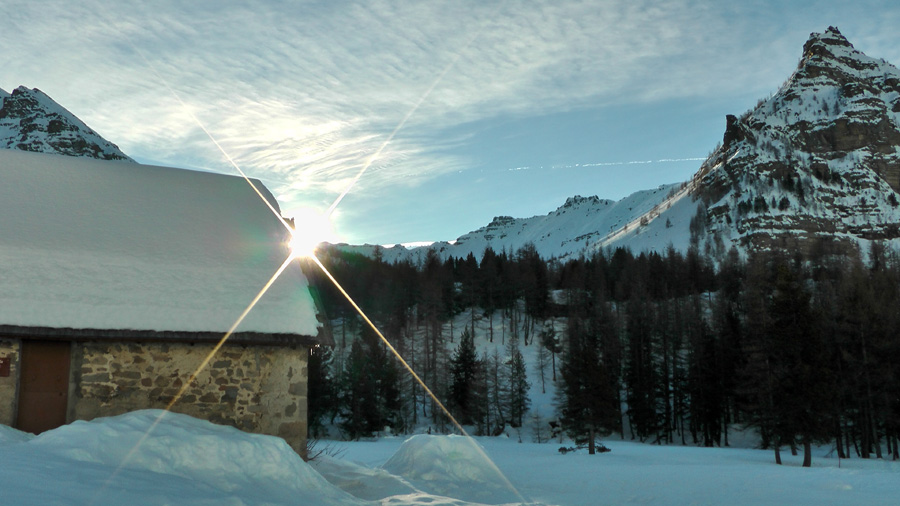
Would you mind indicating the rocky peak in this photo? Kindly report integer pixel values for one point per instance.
(830, 57)
(31, 121)
(501, 221)
(819, 44)
(578, 200)
(820, 158)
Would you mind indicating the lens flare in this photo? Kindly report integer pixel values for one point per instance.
(310, 229)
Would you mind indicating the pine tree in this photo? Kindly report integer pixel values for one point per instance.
(358, 401)
(550, 342)
(464, 375)
(321, 401)
(640, 366)
(495, 386)
(758, 381)
(587, 400)
(806, 384)
(370, 399)
(788, 378)
(534, 281)
(517, 385)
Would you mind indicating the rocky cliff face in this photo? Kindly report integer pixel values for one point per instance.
(815, 164)
(32, 121)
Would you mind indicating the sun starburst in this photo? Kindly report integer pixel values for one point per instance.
(310, 229)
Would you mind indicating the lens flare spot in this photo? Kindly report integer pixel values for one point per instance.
(311, 229)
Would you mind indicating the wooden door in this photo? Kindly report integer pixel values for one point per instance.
(44, 386)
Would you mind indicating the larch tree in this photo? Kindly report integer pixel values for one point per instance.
(588, 402)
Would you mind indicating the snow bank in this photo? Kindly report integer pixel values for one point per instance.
(9, 436)
(453, 466)
(155, 457)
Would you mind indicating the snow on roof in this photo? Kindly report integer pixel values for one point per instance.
(88, 244)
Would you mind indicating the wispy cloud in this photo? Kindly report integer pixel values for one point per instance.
(300, 93)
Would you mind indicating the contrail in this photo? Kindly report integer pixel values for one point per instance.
(606, 164)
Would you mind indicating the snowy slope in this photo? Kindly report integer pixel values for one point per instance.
(32, 121)
(580, 226)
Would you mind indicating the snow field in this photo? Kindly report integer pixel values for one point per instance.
(190, 461)
(635, 473)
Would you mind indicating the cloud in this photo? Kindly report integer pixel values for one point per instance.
(302, 93)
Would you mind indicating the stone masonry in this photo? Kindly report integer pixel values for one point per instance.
(259, 389)
(9, 349)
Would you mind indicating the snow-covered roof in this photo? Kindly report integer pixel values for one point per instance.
(88, 244)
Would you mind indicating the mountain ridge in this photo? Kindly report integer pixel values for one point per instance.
(816, 165)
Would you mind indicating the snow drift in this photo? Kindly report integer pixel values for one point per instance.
(452, 466)
(157, 457)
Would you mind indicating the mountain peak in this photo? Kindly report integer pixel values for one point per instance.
(32, 121)
(579, 200)
(817, 162)
(830, 37)
(831, 56)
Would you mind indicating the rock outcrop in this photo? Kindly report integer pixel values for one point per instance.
(31, 121)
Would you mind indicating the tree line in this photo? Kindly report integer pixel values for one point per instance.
(662, 347)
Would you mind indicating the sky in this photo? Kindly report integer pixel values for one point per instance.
(436, 115)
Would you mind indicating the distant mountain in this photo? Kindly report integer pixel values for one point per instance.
(814, 167)
(580, 226)
(32, 121)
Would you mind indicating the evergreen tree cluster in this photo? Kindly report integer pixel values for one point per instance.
(361, 388)
(666, 348)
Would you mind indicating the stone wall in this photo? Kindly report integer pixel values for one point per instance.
(259, 389)
(9, 349)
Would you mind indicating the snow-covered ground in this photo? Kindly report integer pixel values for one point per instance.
(188, 461)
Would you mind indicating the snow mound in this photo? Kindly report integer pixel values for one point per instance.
(453, 466)
(248, 468)
(9, 436)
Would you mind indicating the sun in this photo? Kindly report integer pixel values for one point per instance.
(311, 229)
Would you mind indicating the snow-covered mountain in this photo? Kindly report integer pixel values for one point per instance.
(31, 121)
(814, 166)
(581, 225)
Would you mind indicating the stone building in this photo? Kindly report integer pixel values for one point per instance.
(117, 280)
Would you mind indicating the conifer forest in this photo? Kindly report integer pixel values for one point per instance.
(664, 348)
